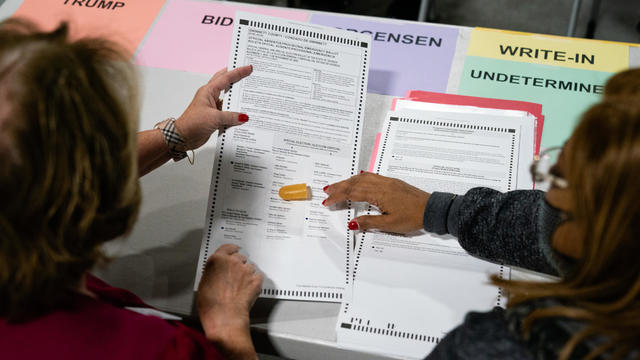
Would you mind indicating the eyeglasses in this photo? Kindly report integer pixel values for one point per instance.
(541, 165)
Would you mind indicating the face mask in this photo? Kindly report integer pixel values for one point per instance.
(549, 218)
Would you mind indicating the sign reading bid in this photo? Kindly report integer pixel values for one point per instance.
(196, 36)
(124, 21)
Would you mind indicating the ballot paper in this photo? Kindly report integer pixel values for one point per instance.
(487, 103)
(305, 101)
(523, 118)
(407, 292)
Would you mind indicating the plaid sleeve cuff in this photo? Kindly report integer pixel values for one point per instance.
(172, 137)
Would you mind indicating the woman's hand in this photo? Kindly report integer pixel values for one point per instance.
(203, 116)
(402, 205)
(201, 119)
(228, 289)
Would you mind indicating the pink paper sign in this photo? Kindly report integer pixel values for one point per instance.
(125, 21)
(196, 36)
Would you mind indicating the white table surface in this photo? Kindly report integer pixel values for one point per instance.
(158, 260)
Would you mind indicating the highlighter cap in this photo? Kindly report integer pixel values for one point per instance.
(294, 192)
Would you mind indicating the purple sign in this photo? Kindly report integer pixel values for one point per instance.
(405, 56)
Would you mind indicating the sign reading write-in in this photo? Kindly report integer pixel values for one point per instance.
(196, 36)
(549, 50)
(546, 54)
(404, 56)
(125, 21)
(565, 75)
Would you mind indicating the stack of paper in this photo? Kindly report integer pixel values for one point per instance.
(406, 292)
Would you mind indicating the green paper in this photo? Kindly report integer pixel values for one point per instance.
(561, 107)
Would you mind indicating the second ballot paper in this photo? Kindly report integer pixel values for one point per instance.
(305, 100)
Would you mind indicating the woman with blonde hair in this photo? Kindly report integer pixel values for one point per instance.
(69, 183)
(585, 229)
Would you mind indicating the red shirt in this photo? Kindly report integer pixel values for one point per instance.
(102, 329)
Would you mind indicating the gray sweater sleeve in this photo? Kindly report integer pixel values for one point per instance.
(499, 227)
(481, 336)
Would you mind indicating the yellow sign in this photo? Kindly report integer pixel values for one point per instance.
(549, 50)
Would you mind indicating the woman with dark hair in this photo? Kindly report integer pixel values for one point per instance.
(625, 83)
(585, 229)
(69, 183)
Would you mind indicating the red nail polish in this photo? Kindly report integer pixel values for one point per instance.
(324, 202)
(353, 225)
(325, 188)
(243, 118)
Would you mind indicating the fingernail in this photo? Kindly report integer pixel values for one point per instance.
(243, 118)
(353, 225)
(325, 188)
(324, 202)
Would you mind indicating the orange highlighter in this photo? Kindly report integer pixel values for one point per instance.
(295, 192)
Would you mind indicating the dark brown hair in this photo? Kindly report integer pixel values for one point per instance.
(603, 291)
(69, 179)
(624, 83)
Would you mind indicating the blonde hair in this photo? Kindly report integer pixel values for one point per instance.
(70, 181)
(603, 290)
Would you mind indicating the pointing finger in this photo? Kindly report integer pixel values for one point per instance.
(223, 81)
